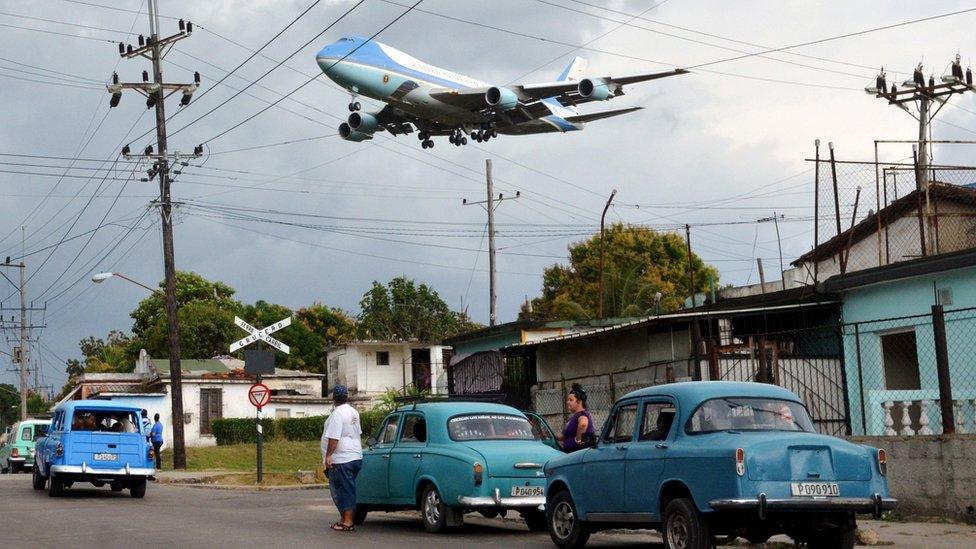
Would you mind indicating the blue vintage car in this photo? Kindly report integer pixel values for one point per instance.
(449, 458)
(700, 460)
(96, 441)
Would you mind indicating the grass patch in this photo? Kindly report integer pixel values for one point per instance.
(280, 456)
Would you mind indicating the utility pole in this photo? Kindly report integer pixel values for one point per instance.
(923, 94)
(603, 216)
(21, 354)
(775, 219)
(691, 266)
(154, 48)
(489, 205)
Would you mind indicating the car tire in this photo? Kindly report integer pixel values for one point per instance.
(684, 526)
(562, 520)
(535, 520)
(137, 488)
(839, 537)
(38, 480)
(433, 511)
(55, 486)
(360, 515)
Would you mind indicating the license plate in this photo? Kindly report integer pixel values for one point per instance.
(106, 457)
(815, 489)
(527, 491)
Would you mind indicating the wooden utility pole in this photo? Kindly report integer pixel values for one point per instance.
(154, 48)
(691, 265)
(489, 205)
(603, 216)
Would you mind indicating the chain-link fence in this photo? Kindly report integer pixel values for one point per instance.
(912, 375)
(868, 214)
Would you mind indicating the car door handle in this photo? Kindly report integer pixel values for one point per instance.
(621, 448)
(661, 445)
(386, 456)
(416, 456)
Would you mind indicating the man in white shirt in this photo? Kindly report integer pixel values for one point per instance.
(342, 454)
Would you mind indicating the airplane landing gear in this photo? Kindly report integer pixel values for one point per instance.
(457, 138)
(354, 106)
(427, 144)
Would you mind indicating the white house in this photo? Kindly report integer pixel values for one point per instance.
(370, 367)
(212, 389)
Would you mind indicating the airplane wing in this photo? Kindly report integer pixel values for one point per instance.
(567, 91)
(600, 115)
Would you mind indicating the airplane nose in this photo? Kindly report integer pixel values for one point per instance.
(325, 53)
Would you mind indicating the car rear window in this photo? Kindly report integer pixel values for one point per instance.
(489, 427)
(112, 421)
(749, 414)
(40, 430)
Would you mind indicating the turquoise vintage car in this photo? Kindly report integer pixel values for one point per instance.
(700, 460)
(17, 451)
(449, 458)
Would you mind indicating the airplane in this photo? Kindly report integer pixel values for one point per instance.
(438, 102)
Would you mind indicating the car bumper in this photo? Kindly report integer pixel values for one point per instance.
(21, 462)
(496, 500)
(85, 469)
(874, 505)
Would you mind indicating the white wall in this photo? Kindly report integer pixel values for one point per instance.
(357, 369)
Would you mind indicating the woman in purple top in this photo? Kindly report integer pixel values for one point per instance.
(579, 424)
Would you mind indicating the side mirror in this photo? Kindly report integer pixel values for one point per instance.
(371, 441)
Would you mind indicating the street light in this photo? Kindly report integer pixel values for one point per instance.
(102, 277)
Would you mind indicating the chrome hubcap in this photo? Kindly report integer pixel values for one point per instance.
(432, 507)
(678, 532)
(563, 520)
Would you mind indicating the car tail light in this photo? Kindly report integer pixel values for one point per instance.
(883, 462)
(15, 453)
(479, 474)
(59, 451)
(740, 462)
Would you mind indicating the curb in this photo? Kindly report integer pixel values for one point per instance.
(244, 488)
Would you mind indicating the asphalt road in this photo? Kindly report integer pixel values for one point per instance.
(180, 516)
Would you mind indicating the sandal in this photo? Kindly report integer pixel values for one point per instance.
(340, 527)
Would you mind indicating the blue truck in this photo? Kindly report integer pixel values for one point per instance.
(96, 441)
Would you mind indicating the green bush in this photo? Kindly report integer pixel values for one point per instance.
(240, 430)
(301, 428)
(370, 420)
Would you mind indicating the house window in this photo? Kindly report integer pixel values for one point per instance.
(211, 408)
(382, 358)
(282, 413)
(900, 361)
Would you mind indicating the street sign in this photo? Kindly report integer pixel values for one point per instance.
(264, 334)
(259, 361)
(259, 395)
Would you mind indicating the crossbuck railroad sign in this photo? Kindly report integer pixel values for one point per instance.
(264, 334)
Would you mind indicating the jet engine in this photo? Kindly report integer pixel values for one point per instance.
(350, 134)
(363, 122)
(501, 98)
(595, 89)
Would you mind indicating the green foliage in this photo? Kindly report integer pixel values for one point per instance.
(404, 309)
(36, 404)
(332, 325)
(241, 430)
(301, 428)
(307, 352)
(9, 405)
(369, 421)
(639, 262)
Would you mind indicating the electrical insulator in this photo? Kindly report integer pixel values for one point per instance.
(969, 77)
(121, 48)
(932, 81)
(115, 78)
(151, 101)
(189, 27)
(182, 25)
(185, 100)
(114, 101)
(129, 49)
(198, 150)
(149, 150)
(145, 76)
(142, 40)
(196, 77)
(126, 150)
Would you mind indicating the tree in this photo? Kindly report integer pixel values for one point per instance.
(639, 262)
(307, 352)
(9, 405)
(404, 309)
(332, 325)
(113, 355)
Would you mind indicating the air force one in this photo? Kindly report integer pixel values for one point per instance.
(438, 102)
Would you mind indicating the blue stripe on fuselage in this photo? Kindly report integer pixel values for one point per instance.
(370, 54)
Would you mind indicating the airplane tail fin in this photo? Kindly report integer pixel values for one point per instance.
(574, 71)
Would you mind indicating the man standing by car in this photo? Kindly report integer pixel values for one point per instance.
(156, 436)
(342, 454)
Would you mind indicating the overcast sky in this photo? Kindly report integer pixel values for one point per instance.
(703, 139)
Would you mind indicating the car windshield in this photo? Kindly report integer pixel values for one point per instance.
(489, 427)
(749, 414)
(112, 421)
